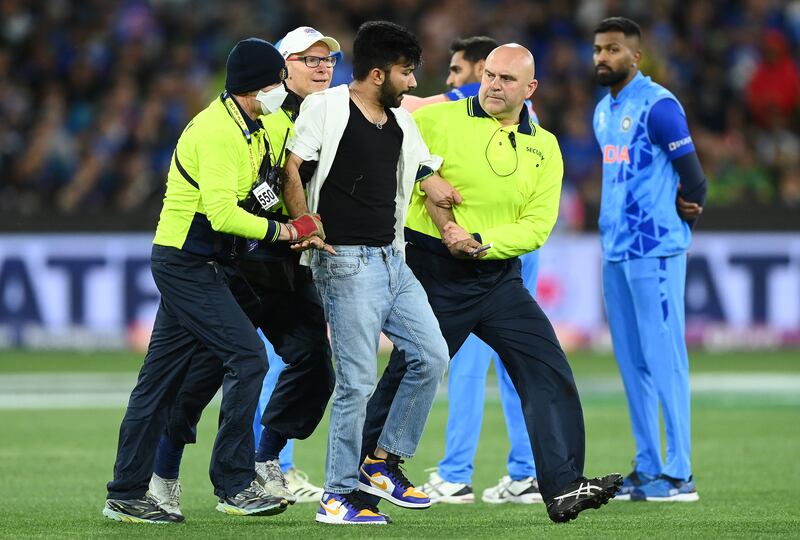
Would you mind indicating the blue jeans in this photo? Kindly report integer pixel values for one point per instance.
(366, 290)
(276, 365)
(466, 391)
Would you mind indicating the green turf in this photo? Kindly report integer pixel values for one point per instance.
(583, 362)
(54, 463)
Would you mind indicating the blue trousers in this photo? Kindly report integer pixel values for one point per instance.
(466, 391)
(276, 365)
(644, 301)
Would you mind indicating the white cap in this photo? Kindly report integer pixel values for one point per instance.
(300, 39)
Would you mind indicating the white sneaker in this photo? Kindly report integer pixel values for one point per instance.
(269, 475)
(525, 491)
(167, 492)
(298, 484)
(441, 491)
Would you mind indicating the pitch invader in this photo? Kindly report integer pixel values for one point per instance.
(653, 190)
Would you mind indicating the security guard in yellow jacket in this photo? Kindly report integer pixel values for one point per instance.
(216, 163)
(279, 297)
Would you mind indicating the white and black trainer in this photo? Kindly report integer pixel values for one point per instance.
(441, 491)
(252, 501)
(144, 510)
(270, 476)
(167, 491)
(524, 491)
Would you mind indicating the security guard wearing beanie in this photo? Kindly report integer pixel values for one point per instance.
(279, 297)
(215, 164)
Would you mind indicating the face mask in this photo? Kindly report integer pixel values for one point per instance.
(271, 101)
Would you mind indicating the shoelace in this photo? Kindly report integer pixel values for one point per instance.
(274, 474)
(503, 485)
(174, 493)
(357, 503)
(399, 477)
(257, 490)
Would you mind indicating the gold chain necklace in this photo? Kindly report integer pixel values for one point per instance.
(378, 124)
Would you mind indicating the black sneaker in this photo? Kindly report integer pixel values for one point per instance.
(144, 510)
(252, 501)
(581, 494)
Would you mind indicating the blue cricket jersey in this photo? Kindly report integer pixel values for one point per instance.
(640, 133)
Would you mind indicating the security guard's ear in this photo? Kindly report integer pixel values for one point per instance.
(531, 88)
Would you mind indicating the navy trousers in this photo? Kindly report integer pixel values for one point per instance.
(287, 308)
(198, 322)
(488, 299)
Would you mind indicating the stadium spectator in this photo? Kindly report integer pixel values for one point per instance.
(370, 158)
(774, 88)
(707, 53)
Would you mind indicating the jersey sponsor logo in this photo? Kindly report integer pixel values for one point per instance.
(616, 154)
(674, 145)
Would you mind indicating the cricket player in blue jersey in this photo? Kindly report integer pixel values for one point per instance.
(653, 190)
(451, 482)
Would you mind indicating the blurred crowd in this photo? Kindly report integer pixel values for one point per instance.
(94, 94)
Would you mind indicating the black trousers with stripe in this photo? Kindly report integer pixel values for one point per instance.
(487, 298)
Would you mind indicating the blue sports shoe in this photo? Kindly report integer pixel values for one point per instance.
(632, 481)
(385, 479)
(348, 509)
(666, 489)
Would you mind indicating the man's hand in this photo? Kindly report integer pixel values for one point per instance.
(453, 233)
(440, 192)
(688, 210)
(465, 248)
(304, 227)
(314, 242)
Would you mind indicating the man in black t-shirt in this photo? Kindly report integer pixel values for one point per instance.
(370, 156)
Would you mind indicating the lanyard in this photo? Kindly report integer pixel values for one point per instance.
(236, 114)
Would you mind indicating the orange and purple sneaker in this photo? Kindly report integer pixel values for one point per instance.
(384, 478)
(348, 509)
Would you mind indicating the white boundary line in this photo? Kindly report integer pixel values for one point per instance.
(92, 390)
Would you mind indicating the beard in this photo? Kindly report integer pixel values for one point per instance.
(609, 77)
(389, 96)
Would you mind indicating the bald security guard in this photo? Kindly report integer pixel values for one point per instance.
(509, 172)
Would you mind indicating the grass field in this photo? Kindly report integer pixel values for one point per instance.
(55, 461)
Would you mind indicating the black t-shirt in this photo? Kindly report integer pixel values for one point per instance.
(356, 201)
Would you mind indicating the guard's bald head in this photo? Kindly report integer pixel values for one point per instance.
(508, 80)
(514, 57)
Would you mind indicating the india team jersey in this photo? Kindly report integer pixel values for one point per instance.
(638, 217)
